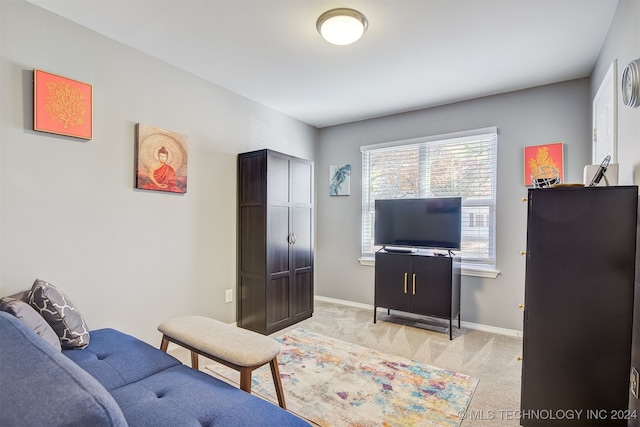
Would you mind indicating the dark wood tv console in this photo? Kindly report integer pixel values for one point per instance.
(427, 285)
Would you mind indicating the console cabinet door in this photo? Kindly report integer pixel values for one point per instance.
(392, 281)
(431, 286)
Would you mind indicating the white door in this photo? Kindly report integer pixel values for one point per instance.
(605, 118)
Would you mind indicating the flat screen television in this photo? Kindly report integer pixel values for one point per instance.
(419, 223)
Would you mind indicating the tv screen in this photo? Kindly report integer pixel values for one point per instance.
(420, 223)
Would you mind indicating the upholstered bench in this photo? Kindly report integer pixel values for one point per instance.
(234, 347)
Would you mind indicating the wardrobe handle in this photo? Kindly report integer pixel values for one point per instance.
(414, 284)
(405, 282)
(293, 238)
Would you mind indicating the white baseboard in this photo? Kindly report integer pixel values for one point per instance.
(492, 329)
(344, 302)
(468, 325)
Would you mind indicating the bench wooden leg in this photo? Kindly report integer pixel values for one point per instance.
(275, 372)
(194, 356)
(245, 378)
(164, 344)
(194, 360)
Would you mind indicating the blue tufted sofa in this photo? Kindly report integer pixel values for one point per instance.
(117, 380)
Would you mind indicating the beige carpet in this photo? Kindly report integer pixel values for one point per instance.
(489, 357)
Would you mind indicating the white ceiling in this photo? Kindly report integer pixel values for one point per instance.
(415, 54)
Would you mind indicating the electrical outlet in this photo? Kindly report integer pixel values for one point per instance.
(228, 296)
(635, 379)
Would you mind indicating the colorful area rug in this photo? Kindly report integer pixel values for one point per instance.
(334, 383)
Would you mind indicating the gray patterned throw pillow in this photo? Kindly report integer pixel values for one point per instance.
(31, 318)
(60, 313)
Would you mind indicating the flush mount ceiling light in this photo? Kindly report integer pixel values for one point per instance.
(342, 26)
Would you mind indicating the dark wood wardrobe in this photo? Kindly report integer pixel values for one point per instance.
(275, 240)
(578, 308)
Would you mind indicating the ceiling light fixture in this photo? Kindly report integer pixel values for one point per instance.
(342, 26)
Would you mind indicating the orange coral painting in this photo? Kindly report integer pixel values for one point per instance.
(62, 106)
(161, 160)
(548, 157)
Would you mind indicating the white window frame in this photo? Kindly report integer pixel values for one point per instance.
(475, 267)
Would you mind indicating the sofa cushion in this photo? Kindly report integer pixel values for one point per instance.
(186, 397)
(42, 387)
(116, 359)
(60, 313)
(31, 318)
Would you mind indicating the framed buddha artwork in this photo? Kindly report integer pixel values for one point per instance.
(161, 159)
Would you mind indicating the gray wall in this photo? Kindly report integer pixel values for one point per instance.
(68, 211)
(623, 45)
(560, 112)
(554, 113)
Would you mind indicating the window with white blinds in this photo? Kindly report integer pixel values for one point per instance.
(462, 164)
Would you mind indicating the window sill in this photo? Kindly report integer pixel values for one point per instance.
(479, 271)
(467, 270)
(369, 261)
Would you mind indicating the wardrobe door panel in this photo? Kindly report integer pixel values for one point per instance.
(302, 229)
(278, 179)
(278, 307)
(303, 294)
(278, 255)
